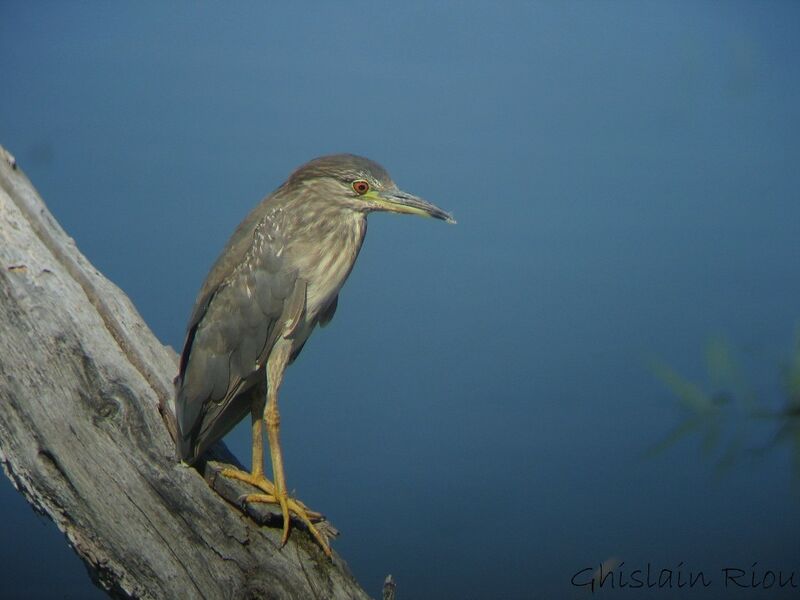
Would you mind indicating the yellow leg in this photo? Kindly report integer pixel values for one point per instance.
(273, 419)
(256, 475)
(275, 493)
(256, 428)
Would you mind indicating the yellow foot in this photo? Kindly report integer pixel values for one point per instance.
(288, 506)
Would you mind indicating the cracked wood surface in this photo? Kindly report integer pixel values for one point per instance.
(85, 434)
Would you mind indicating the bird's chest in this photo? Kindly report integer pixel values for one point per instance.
(328, 260)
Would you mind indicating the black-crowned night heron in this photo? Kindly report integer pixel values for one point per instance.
(278, 277)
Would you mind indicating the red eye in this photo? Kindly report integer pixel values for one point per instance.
(360, 187)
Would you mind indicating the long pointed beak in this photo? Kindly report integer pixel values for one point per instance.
(401, 202)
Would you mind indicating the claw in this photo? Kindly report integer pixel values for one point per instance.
(289, 506)
(286, 520)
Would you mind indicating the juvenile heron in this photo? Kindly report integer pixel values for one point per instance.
(278, 277)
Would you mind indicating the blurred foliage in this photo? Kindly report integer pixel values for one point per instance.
(722, 412)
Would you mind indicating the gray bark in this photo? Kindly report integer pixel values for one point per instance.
(86, 434)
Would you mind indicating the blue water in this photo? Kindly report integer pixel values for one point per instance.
(481, 418)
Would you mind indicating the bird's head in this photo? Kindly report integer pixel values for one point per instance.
(360, 184)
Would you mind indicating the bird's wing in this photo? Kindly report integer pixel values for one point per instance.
(248, 298)
(234, 253)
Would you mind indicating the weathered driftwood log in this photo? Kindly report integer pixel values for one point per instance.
(85, 392)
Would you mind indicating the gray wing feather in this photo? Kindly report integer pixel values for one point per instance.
(294, 309)
(235, 322)
(234, 253)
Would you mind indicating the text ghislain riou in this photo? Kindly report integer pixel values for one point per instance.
(681, 577)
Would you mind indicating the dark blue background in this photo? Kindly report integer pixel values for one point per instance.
(477, 418)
